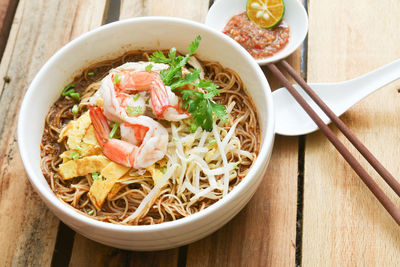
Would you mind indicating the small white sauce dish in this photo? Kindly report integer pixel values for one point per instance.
(111, 41)
(295, 16)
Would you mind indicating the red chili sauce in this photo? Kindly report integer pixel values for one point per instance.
(259, 42)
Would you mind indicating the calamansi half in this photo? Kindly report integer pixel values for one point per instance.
(265, 13)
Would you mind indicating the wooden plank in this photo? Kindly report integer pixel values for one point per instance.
(90, 253)
(86, 252)
(28, 229)
(193, 9)
(264, 233)
(344, 225)
(7, 11)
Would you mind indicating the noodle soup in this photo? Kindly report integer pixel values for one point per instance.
(155, 162)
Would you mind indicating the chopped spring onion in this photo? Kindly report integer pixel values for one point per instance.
(75, 109)
(66, 91)
(113, 130)
(236, 167)
(174, 139)
(164, 170)
(74, 155)
(136, 97)
(134, 110)
(90, 212)
(117, 79)
(148, 67)
(95, 176)
(90, 73)
(212, 142)
(74, 95)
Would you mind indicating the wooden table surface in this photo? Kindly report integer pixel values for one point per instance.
(311, 208)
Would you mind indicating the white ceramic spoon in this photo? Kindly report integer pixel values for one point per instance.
(291, 119)
(295, 16)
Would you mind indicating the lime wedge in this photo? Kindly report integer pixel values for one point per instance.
(265, 13)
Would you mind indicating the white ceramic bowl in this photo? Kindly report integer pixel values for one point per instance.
(110, 41)
(295, 16)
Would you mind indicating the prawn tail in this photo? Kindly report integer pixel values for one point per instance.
(100, 125)
(120, 152)
(159, 97)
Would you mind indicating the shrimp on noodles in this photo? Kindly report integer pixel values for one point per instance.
(125, 95)
(144, 141)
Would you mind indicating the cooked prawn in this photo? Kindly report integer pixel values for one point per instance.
(143, 140)
(118, 87)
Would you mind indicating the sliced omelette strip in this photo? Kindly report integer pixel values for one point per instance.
(83, 166)
(102, 186)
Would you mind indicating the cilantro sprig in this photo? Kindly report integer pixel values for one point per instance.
(198, 103)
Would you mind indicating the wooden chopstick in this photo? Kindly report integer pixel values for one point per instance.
(386, 175)
(362, 173)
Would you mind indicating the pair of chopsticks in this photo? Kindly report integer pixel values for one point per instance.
(362, 173)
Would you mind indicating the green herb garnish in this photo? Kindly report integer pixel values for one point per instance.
(75, 109)
(90, 212)
(199, 104)
(68, 89)
(148, 67)
(212, 142)
(74, 155)
(136, 97)
(95, 176)
(193, 127)
(164, 170)
(90, 73)
(134, 110)
(114, 129)
(116, 79)
(236, 167)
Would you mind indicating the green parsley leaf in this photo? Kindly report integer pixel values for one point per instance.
(176, 63)
(188, 79)
(199, 104)
(193, 127)
(74, 155)
(194, 45)
(95, 176)
(219, 111)
(172, 54)
(159, 57)
(202, 108)
(75, 109)
(116, 79)
(113, 130)
(136, 97)
(90, 73)
(210, 87)
(148, 67)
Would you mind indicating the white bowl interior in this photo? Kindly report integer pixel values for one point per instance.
(111, 41)
(295, 16)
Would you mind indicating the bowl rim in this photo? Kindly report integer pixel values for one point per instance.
(56, 204)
